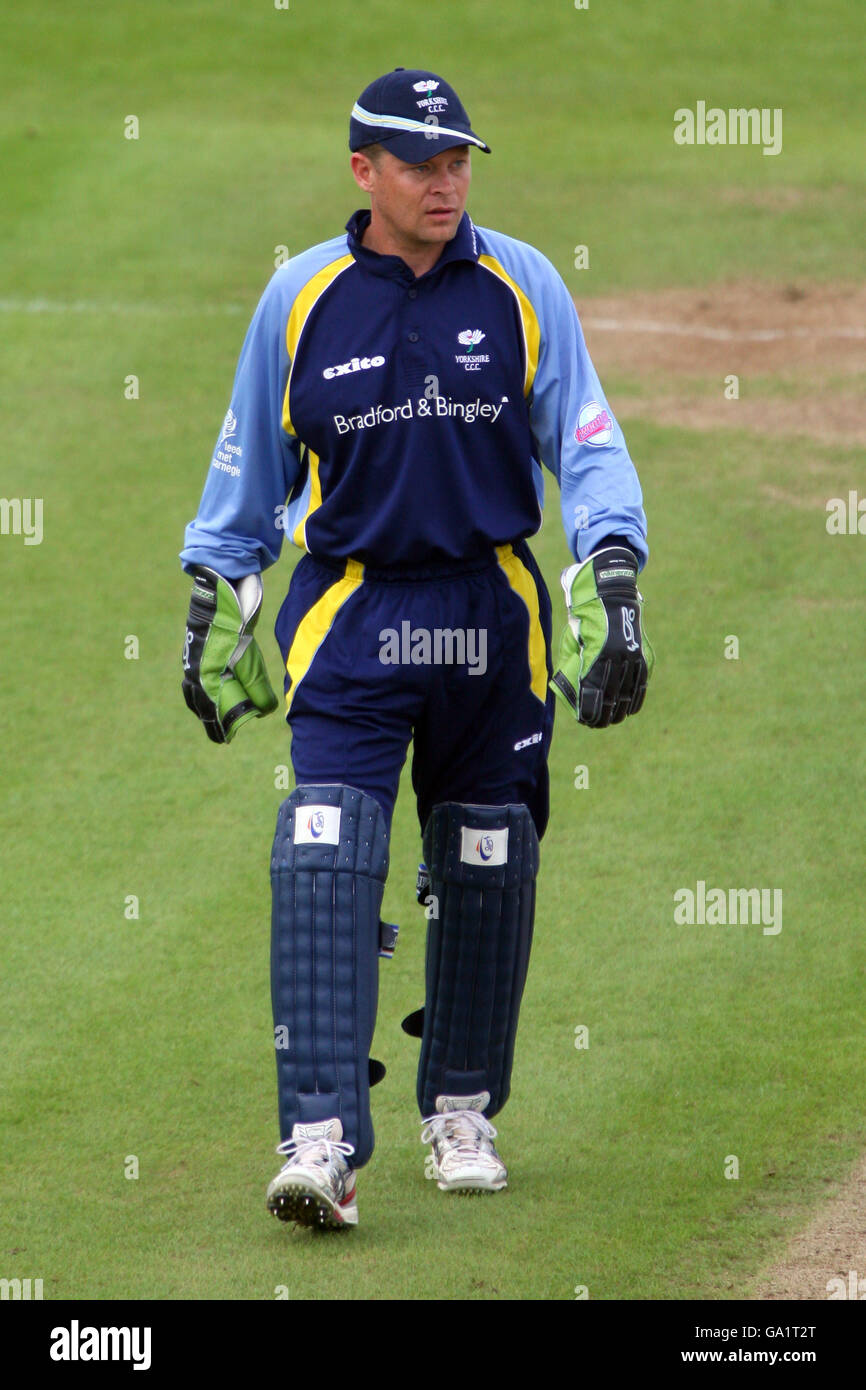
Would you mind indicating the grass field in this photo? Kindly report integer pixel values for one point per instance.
(151, 1037)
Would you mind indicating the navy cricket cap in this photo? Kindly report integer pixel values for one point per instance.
(414, 114)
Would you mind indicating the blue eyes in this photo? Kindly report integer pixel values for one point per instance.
(425, 168)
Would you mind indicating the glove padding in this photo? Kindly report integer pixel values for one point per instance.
(605, 659)
(225, 680)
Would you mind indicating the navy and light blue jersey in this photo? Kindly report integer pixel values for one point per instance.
(396, 420)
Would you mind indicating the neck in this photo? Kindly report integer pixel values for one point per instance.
(419, 256)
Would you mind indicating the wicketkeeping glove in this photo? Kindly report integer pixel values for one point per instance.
(605, 658)
(225, 681)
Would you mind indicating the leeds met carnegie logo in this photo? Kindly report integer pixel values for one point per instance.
(227, 454)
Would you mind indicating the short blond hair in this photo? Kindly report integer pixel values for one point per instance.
(372, 152)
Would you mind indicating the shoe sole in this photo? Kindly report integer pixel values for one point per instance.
(471, 1189)
(307, 1207)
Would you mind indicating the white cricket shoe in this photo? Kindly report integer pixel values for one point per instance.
(463, 1158)
(316, 1186)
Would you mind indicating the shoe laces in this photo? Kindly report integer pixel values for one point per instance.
(325, 1151)
(466, 1131)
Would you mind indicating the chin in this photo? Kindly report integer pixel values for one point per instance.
(442, 232)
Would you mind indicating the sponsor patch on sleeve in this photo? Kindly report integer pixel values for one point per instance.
(594, 425)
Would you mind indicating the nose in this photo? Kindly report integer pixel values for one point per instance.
(443, 181)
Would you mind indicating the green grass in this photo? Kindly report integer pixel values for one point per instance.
(152, 1037)
(243, 128)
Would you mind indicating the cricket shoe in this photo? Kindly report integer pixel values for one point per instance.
(463, 1157)
(316, 1186)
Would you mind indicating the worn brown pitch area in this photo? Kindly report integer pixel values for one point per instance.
(798, 350)
(831, 1247)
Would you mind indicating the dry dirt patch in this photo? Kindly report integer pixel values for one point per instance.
(829, 1249)
(798, 350)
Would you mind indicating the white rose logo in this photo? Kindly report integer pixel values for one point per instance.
(230, 425)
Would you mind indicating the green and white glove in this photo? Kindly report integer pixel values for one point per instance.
(605, 658)
(225, 680)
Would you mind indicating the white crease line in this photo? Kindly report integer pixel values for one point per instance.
(724, 335)
(89, 306)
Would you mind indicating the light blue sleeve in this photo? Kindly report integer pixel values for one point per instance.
(574, 428)
(238, 529)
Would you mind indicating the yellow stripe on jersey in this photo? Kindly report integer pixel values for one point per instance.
(528, 317)
(317, 623)
(301, 310)
(523, 584)
(299, 535)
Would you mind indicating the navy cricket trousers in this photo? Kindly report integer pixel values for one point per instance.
(454, 657)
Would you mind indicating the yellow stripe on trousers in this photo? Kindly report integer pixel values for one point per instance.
(523, 584)
(317, 623)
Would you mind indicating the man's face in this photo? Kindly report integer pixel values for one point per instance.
(417, 204)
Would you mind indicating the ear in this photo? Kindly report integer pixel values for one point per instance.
(363, 170)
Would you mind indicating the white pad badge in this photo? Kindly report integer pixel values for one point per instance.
(317, 825)
(483, 846)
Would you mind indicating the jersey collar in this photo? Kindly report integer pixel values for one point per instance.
(463, 246)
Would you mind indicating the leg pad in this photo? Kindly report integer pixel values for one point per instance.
(328, 870)
(483, 863)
